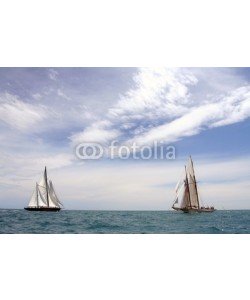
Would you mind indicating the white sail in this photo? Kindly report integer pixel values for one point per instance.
(192, 184)
(182, 196)
(53, 199)
(42, 196)
(42, 182)
(178, 185)
(42, 191)
(38, 197)
(33, 199)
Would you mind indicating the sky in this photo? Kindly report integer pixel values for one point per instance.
(46, 112)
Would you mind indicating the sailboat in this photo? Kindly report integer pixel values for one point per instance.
(44, 197)
(187, 197)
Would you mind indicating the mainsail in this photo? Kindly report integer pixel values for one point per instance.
(192, 184)
(34, 198)
(44, 194)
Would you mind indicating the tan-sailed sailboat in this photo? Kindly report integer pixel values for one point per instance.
(187, 197)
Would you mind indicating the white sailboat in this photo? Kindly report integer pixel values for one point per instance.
(187, 197)
(44, 197)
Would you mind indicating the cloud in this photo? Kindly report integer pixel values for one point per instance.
(234, 108)
(161, 106)
(158, 93)
(37, 96)
(99, 131)
(60, 93)
(28, 116)
(53, 74)
(228, 110)
(18, 114)
(19, 166)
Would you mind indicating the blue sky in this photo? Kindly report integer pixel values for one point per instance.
(46, 112)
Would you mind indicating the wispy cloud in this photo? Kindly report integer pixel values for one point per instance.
(26, 164)
(161, 106)
(100, 131)
(53, 74)
(228, 110)
(158, 93)
(18, 114)
(60, 93)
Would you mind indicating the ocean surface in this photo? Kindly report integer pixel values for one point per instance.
(81, 221)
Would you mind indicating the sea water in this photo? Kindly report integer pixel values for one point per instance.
(82, 221)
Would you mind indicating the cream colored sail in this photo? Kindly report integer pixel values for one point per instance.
(194, 200)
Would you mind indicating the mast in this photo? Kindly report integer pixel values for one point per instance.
(195, 183)
(188, 187)
(46, 184)
(37, 195)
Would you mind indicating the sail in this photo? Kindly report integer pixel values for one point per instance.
(179, 185)
(42, 192)
(38, 197)
(53, 199)
(42, 196)
(192, 184)
(182, 196)
(42, 182)
(33, 200)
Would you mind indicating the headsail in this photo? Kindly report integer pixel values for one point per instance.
(34, 198)
(182, 196)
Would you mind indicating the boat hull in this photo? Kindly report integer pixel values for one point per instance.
(42, 208)
(195, 210)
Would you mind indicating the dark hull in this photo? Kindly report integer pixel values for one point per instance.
(197, 210)
(42, 208)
